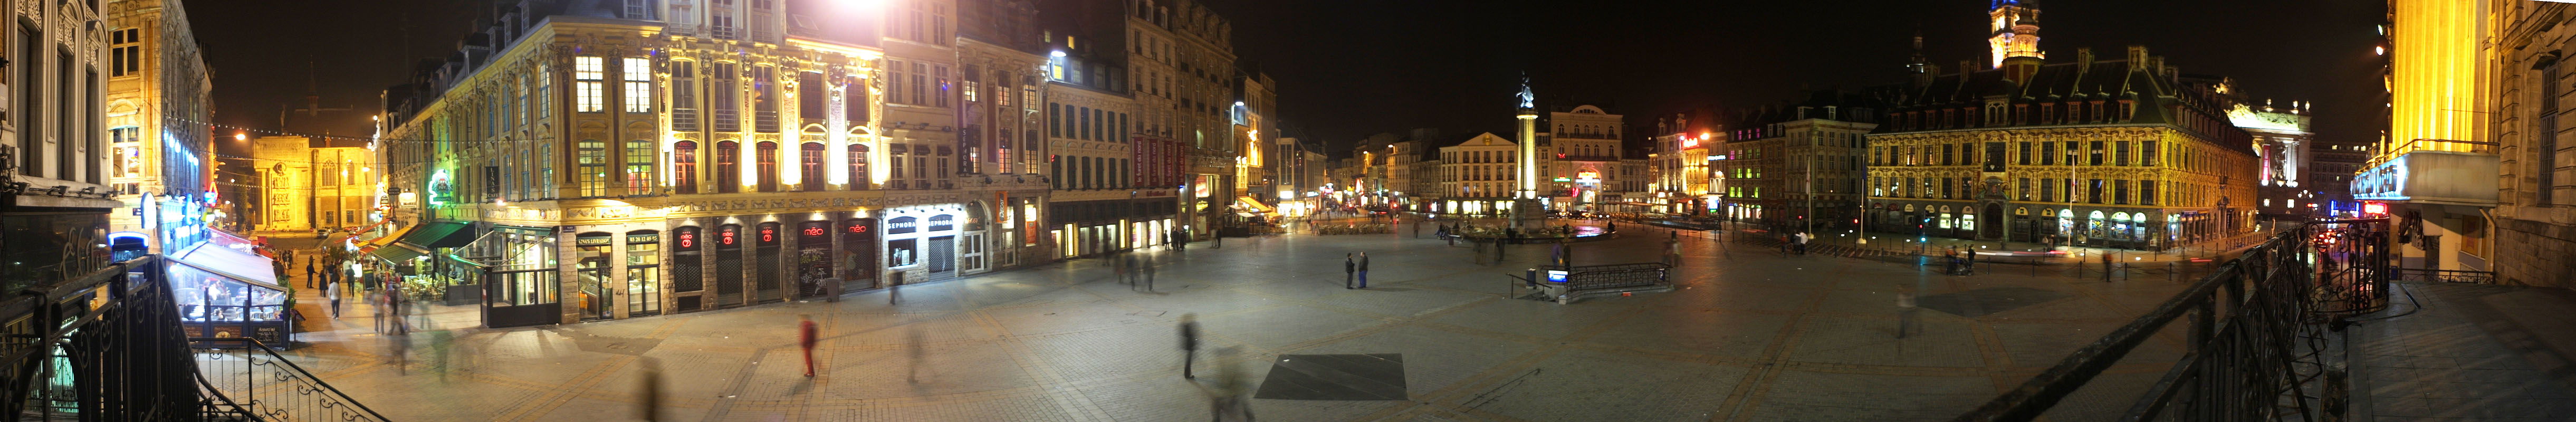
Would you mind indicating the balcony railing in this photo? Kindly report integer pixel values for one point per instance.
(765, 121)
(684, 119)
(2250, 343)
(728, 120)
(2446, 145)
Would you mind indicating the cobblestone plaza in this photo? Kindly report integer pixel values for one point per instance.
(1747, 334)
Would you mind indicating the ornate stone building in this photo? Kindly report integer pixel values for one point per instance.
(613, 162)
(159, 149)
(2123, 153)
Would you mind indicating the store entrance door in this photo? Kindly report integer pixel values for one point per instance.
(943, 255)
(593, 276)
(970, 255)
(729, 266)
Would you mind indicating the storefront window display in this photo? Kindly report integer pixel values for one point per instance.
(227, 293)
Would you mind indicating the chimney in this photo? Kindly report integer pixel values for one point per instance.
(2157, 63)
(2083, 58)
(2137, 57)
(1966, 66)
(1925, 78)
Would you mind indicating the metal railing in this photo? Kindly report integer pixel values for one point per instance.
(2473, 147)
(2429, 275)
(2245, 359)
(268, 386)
(107, 345)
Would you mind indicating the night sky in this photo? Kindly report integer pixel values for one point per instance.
(1350, 68)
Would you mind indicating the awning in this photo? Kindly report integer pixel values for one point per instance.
(398, 253)
(440, 235)
(1255, 204)
(381, 241)
(230, 263)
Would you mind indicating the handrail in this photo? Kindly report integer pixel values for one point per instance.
(2474, 147)
(2240, 343)
(308, 385)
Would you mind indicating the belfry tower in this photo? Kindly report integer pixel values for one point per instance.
(2015, 39)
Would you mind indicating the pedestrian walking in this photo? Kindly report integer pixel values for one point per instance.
(2106, 268)
(331, 293)
(1189, 343)
(805, 332)
(1969, 265)
(1127, 267)
(1350, 269)
(1478, 256)
(1226, 401)
(1905, 310)
(1148, 267)
(1364, 270)
(400, 341)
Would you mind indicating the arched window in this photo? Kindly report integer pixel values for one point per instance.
(767, 153)
(810, 167)
(684, 166)
(639, 167)
(859, 179)
(728, 175)
(593, 176)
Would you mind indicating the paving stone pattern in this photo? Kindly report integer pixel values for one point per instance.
(1746, 335)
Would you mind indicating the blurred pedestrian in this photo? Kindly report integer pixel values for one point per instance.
(1364, 270)
(1148, 267)
(2106, 268)
(1226, 401)
(1350, 269)
(399, 339)
(805, 332)
(1189, 343)
(1126, 267)
(651, 390)
(1905, 310)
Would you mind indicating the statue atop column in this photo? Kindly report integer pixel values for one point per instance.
(1528, 100)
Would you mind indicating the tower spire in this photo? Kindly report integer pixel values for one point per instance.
(1915, 65)
(2014, 29)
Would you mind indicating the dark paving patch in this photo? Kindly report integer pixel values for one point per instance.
(1981, 302)
(1375, 376)
(620, 345)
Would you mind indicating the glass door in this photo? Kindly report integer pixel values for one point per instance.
(643, 273)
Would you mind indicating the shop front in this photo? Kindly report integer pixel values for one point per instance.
(224, 290)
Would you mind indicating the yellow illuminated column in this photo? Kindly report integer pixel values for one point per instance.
(2437, 74)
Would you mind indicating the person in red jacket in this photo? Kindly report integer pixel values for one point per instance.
(805, 338)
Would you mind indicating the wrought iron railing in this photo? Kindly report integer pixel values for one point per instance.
(268, 386)
(2245, 358)
(2429, 275)
(107, 345)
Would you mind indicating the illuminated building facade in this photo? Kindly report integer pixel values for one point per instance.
(2282, 144)
(579, 162)
(54, 191)
(1479, 176)
(1002, 66)
(1788, 163)
(160, 154)
(1583, 158)
(2436, 172)
(1685, 181)
(2125, 153)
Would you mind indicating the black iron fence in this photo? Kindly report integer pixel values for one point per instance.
(269, 386)
(103, 346)
(2429, 275)
(2245, 358)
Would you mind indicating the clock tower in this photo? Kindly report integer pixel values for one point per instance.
(2015, 37)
